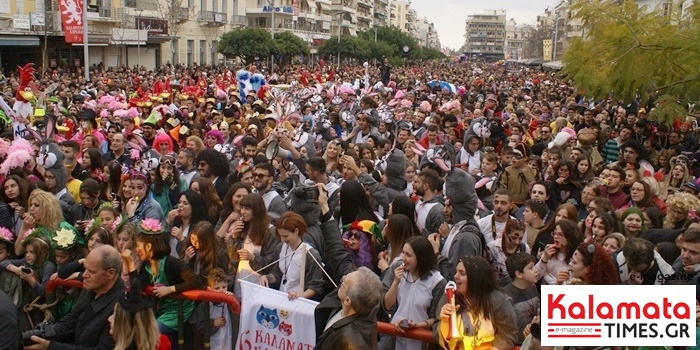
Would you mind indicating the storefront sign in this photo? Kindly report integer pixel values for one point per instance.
(37, 19)
(153, 25)
(72, 19)
(20, 22)
(285, 9)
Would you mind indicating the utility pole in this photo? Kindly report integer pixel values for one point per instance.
(138, 36)
(86, 53)
(272, 30)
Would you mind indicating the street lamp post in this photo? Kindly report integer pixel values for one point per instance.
(272, 31)
(138, 36)
(340, 16)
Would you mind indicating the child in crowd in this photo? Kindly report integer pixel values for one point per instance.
(522, 290)
(220, 327)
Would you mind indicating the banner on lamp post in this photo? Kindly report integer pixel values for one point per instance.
(72, 20)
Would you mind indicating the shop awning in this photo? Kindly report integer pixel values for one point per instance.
(17, 40)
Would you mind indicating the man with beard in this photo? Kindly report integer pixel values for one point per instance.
(492, 226)
(429, 215)
(263, 177)
(148, 127)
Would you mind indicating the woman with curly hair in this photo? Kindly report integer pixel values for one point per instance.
(43, 217)
(679, 206)
(205, 188)
(593, 265)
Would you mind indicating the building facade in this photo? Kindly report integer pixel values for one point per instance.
(151, 33)
(486, 35)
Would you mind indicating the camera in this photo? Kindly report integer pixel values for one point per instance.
(27, 336)
(26, 270)
(307, 193)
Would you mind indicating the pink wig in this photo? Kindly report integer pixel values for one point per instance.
(217, 134)
(163, 138)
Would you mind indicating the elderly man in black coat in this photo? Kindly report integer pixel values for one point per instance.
(87, 325)
(347, 317)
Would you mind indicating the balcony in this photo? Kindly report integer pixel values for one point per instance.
(106, 14)
(147, 5)
(181, 14)
(238, 21)
(212, 19)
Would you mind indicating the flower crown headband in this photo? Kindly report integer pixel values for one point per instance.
(151, 227)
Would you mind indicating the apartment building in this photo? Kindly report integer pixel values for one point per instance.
(486, 35)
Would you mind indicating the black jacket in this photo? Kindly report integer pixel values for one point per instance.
(86, 326)
(356, 332)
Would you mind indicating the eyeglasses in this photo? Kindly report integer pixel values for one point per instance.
(202, 164)
(260, 175)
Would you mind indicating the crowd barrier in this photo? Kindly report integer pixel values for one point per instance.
(203, 295)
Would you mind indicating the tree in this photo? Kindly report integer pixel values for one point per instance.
(629, 51)
(246, 43)
(349, 46)
(176, 13)
(532, 47)
(392, 36)
(287, 45)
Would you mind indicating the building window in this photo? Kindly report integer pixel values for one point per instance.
(176, 51)
(129, 3)
(202, 52)
(190, 54)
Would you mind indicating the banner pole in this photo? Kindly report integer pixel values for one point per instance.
(303, 269)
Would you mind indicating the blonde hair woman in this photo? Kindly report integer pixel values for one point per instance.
(133, 324)
(676, 178)
(42, 218)
(332, 156)
(195, 144)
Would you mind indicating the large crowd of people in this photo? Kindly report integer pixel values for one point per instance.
(393, 181)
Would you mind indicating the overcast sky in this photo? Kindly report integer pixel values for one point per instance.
(449, 16)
